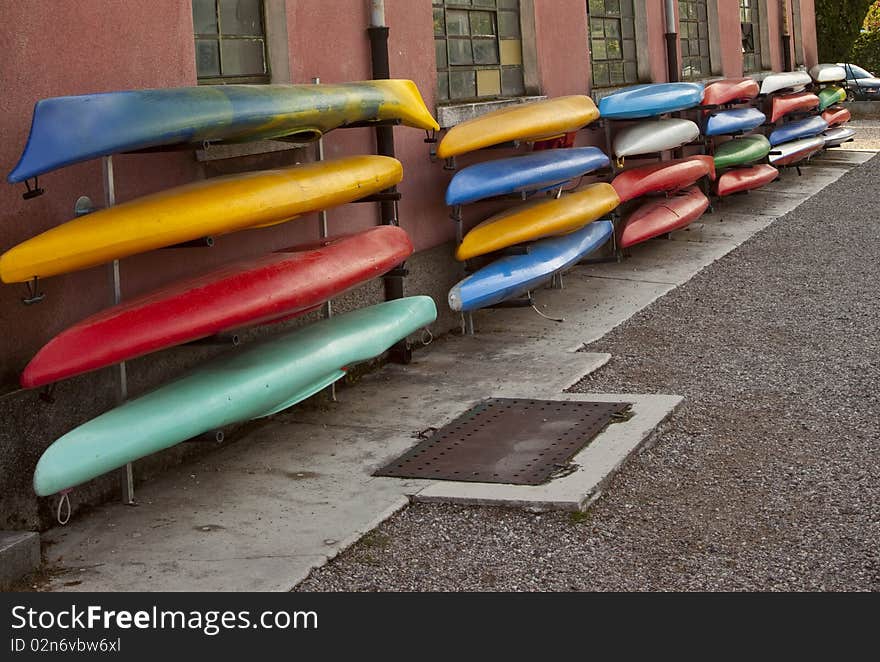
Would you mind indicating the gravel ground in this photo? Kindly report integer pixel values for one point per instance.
(767, 478)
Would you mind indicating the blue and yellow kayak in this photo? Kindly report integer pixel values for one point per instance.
(67, 130)
(254, 382)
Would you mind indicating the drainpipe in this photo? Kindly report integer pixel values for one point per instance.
(786, 37)
(672, 69)
(378, 33)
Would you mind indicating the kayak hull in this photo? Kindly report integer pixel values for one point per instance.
(532, 172)
(837, 136)
(786, 80)
(741, 151)
(277, 286)
(796, 150)
(210, 207)
(804, 128)
(663, 215)
(244, 384)
(662, 177)
(737, 120)
(733, 90)
(651, 136)
(538, 220)
(68, 130)
(830, 96)
(643, 101)
(836, 115)
(827, 73)
(528, 122)
(785, 104)
(738, 180)
(514, 275)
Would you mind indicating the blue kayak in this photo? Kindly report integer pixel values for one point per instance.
(516, 274)
(643, 101)
(738, 120)
(68, 130)
(533, 172)
(812, 126)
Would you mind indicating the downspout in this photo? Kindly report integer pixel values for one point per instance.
(378, 33)
(672, 69)
(786, 37)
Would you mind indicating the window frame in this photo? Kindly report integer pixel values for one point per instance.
(753, 6)
(260, 79)
(634, 61)
(499, 66)
(684, 24)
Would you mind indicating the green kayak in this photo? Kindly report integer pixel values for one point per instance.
(741, 151)
(831, 95)
(245, 384)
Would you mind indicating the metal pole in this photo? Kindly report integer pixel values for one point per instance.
(127, 480)
(327, 308)
(672, 70)
(786, 37)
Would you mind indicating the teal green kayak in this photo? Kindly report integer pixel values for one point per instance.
(245, 384)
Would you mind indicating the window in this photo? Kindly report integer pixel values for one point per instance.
(479, 51)
(749, 18)
(693, 21)
(230, 41)
(613, 43)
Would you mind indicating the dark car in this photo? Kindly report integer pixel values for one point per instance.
(861, 85)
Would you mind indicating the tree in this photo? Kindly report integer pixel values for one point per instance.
(872, 20)
(866, 51)
(838, 23)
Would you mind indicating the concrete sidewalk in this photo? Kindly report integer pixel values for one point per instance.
(261, 513)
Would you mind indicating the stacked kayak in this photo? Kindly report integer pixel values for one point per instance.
(546, 234)
(831, 76)
(270, 375)
(651, 133)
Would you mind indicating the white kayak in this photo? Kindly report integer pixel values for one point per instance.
(828, 73)
(797, 150)
(787, 80)
(651, 136)
(836, 137)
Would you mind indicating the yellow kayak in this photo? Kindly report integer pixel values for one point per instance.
(544, 219)
(527, 122)
(210, 207)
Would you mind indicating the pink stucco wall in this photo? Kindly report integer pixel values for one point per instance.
(60, 48)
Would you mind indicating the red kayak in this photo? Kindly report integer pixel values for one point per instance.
(836, 115)
(664, 215)
(662, 177)
(277, 286)
(745, 179)
(730, 90)
(785, 104)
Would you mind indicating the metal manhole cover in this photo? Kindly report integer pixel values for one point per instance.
(507, 440)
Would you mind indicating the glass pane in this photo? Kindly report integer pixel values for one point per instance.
(439, 23)
(243, 57)
(597, 28)
(597, 49)
(488, 83)
(511, 52)
(612, 29)
(241, 17)
(509, 4)
(600, 75)
(482, 24)
(612, 48)
(484, 3)
(597, 6)
(684, 48)
(626, 7)
(460, 51)
(508, 24)
(457, 23)
(632, 72)
(204, 17)
(702, 14)
(612, 7)
(616, 71)
(458, 2)
(462, 85)
(440, 53)
(629, 50)
(207, 57)
(512, 82)
(485, 51)
(628, 29)
(443, 86)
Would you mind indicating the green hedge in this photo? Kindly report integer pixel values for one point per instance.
(866, 51)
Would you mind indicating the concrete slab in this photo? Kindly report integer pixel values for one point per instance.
(596, 464)
(19, 556)
(298, 489)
